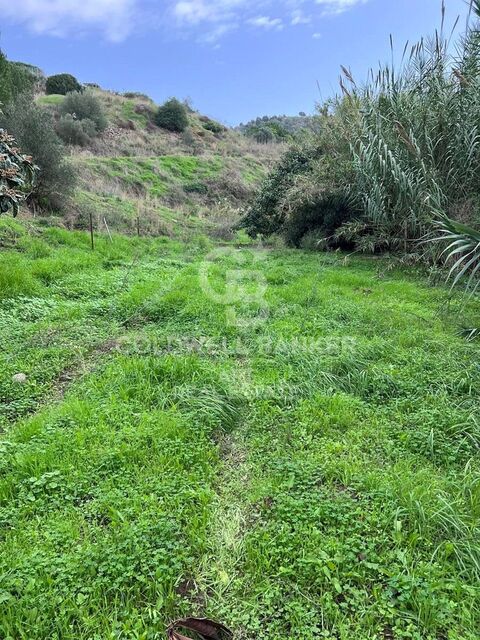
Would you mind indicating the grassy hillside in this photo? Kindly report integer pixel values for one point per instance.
(298, 459)
(138, 170)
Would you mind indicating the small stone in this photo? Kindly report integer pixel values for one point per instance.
(19, 377)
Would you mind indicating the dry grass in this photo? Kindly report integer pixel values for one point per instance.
(138, 136)
(125, 175)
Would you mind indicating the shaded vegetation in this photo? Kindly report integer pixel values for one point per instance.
(61, 84)
(304, 193)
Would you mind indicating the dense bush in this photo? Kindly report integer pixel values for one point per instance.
(4, 79)
(34, 130)
(62, 84)
(15, 78)
(266, 132)
(172, 116)
(324, 213)
(265, 215)
(212, 125)
(84, 106)
(304, 192)
(77, 132)
(263, 135)
(26, 78)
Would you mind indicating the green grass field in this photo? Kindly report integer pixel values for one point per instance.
(284, 441)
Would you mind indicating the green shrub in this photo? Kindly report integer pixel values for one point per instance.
(263, 135)
(322, 215)
(89, 127)
(22, 78)
(4, 79)
(212, 125)
(265, 215)
(15, 78)
(21, 81)
(34, 130)
(62, 84)
(84, 106)
(76, 132)
(280, 128)
(267, 131)
(307, 191)
(172, 116)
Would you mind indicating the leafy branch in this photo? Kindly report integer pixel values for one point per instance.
(17, 174)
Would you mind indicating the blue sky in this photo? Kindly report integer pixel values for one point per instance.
(235, 59)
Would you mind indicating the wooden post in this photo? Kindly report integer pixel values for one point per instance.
(108, 230)
(138, 219)
(91, 230)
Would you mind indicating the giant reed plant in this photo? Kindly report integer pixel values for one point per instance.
(415, 143)
(395, 163)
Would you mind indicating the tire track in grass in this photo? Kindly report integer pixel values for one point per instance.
(219, 577)
(229, 519)
(209, 591)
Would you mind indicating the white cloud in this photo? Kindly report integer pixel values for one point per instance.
(265, 22)
(62, 17)
(209, 20)
(213, 36)
(338, 6)
(298, 17)
(205, 13)
(193, 11)
(197, 11)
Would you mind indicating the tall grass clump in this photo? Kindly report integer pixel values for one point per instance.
(415, 143)
(396, 158)
(16, 279)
